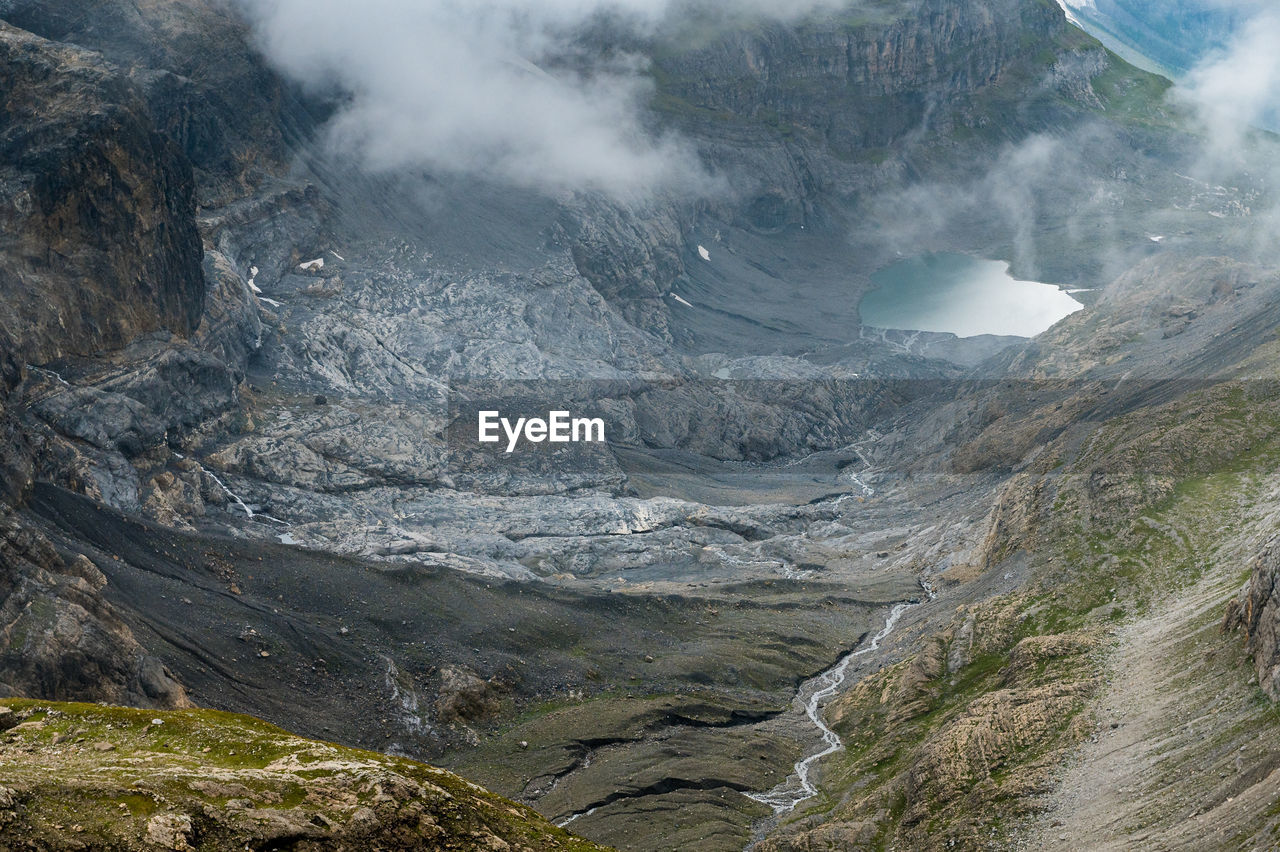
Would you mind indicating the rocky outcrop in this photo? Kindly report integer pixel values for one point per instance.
(99, 250)
(16, 466)
(1257, 611)
(101, 261)
(465, 696)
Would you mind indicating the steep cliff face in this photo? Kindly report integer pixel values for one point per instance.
(102, 266)
(15, 455)
(97, 208)
(865, 78)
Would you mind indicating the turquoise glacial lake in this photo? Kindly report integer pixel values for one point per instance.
(961, 295)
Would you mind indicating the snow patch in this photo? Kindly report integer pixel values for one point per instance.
(1070, 7)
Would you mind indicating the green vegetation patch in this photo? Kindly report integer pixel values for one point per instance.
(111, 777)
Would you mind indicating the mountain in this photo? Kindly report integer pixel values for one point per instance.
(242, 368)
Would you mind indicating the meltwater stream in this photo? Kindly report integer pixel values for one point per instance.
(235, 498)
(798, 788)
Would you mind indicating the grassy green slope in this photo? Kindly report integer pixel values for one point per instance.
(79, 776)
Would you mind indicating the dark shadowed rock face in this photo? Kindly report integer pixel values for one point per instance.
(98, 241)
(99, 249)
(195, 66)
(15, 458)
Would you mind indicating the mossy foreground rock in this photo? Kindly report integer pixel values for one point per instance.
(86, 776)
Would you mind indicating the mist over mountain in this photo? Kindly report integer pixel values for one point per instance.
(504, 89)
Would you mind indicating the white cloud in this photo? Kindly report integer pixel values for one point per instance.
(1237, 88)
